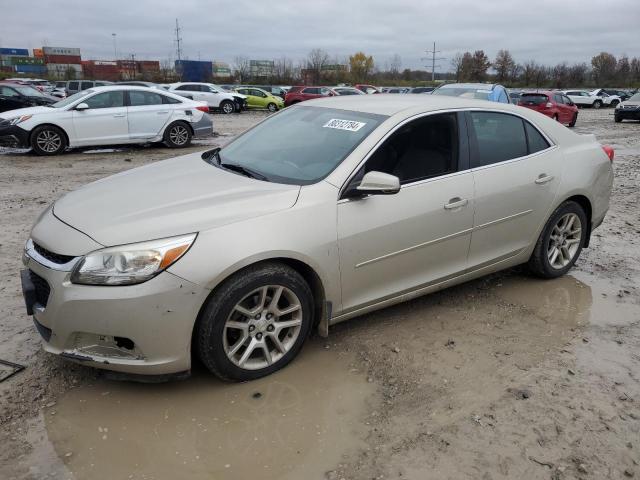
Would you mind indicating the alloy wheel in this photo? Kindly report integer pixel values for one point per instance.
(179, 135)
(227, 108)
(262, 327)
(49, 141)
(564, 241)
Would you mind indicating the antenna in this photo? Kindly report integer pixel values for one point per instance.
(178, 41)
(433, 59)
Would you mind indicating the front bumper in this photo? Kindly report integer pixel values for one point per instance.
(627, 113)
(13, 136)
(136, 329)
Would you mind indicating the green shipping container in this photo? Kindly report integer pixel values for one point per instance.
(27, 61)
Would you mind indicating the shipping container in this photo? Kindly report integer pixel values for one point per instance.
(37, 52)
(39, 69)
(72, 59)
(64, 71)
(27, 61)
(193, 70)
(149, 65)
(15, 51)
(75, 52)
(101, 70)
(6, 61)
(5, 69)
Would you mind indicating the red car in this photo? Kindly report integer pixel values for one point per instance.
(552, 104)
(301, 93)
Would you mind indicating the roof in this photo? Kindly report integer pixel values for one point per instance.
(469, 85)
(390, 104)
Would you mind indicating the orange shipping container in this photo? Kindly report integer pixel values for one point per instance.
(37, 52)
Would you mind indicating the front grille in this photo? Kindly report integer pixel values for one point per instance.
(52, 257)
(42, 288)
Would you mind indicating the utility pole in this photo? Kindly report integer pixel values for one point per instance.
(433, 59)
(178, 41)
(115, 48)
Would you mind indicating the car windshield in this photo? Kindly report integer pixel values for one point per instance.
(534, 98)
(465, 92)
(635, 97)
(28, 91)
(300, 145)
(71, 99)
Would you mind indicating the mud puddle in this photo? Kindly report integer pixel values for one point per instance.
(295, 424)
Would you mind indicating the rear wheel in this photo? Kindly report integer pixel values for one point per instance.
(227, 107)
(272, 107)
(560, 242)
(597, 104)
(574, 120)
(177, 135)
(48, 140)
(255, 323)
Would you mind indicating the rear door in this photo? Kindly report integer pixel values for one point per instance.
(104, 122)
(147, 114)
(516, 172)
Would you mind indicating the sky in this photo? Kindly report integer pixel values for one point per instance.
(548, 31)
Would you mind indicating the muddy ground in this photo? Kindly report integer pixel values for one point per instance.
(504, 377)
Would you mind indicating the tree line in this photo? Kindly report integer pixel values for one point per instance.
(319, 67)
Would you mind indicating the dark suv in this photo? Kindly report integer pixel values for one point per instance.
(15, 95)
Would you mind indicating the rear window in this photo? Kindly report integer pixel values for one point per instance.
(533, 98)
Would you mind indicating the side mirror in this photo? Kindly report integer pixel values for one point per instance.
(375, 183)
(82, 106)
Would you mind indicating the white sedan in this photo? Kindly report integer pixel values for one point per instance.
(112, 115)
(216, 97)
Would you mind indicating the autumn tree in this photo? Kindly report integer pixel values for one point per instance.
(604, 68)
(504, 66)
(361, 66)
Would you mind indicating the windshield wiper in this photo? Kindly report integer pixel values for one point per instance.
(247, 172)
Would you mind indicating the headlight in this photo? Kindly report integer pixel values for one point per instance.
(17, 120)
(130, 264)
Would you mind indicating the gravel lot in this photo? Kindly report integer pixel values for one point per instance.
(504, 377)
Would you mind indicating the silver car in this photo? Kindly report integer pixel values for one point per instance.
(324, 211)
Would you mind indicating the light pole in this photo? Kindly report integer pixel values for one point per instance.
(115, 49)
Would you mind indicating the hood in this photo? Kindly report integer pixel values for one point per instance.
(25, 111)
(172, 197)
(629, 103)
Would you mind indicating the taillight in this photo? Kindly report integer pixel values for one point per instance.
(203, 108)
(608, 149)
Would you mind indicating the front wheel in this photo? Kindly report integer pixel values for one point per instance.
(597, 104)
(227, 107)
(178, 135)
(255, 323)
(560, 242)
(614, 103)
(573, 120)
(272, 107)
(48, 140)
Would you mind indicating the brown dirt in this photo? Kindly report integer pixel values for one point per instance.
(505, 377)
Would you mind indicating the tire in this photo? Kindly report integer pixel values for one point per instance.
(544, 262)
(227, 107)
(597, 104)
(617, 118)
(614, 103)
(48, 140)
(177, 135)
(228, 326)
(272, 107)
(574, 120)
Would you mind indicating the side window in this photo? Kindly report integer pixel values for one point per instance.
(86, 85)
(312, 90)
(566, 100)
(138, 98)
(73, 86)
(535, 139)
(558, 98)
(499, 137)
(503, 98)
(8, 92)
(189, 88)
(424, 148)
(106, 100)
(169, 100)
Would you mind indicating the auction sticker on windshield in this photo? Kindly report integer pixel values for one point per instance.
(350, 125)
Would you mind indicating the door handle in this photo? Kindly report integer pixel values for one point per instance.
(543, 178)
(455, 202)
(119, 115)
(163, 112)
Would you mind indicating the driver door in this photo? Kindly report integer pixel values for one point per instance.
(394, 244)
(104, 122)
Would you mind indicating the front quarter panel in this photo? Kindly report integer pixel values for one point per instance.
(305, 232)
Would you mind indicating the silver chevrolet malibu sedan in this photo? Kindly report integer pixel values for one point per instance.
(325, 211)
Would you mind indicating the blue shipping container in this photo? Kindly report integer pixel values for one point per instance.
(24, 52)
(193, 70)
(31, 69)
